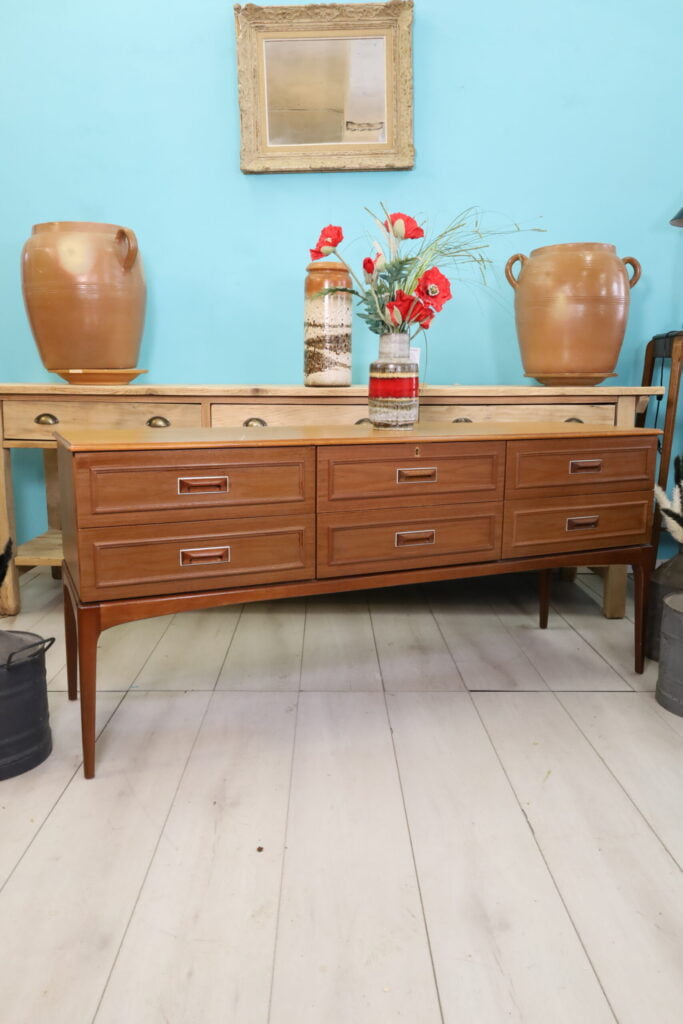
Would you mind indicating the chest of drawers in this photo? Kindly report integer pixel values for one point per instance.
(210, 517)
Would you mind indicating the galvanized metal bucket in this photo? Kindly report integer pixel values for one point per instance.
(669, 691)
(25, 736)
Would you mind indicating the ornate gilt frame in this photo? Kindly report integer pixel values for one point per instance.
(255, 25)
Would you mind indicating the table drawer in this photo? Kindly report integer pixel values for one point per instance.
(582, 522)
(141, 560)
(603, 413)
(385, 540)
(536, 468)
(304, 413)
(159, 486)
(34, 421)
(387, 475)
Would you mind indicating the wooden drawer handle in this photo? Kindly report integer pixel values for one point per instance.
(158, 421)
(418, 474)
(203, 484)
(254, 421)
(46, 419)
(585, 465)
(407, 537)
(582, 523)
(204, 556)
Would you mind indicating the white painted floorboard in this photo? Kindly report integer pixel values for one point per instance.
(428, 855)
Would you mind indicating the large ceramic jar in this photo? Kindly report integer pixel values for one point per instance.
(327, 326)
(571, 309)
(84, 290)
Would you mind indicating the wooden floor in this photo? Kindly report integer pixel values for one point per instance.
(402, 806)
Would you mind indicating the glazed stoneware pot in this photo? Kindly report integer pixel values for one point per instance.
(571, 309)
(84, 290)
(327, 326)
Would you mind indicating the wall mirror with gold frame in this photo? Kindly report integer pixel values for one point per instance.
(325, 87)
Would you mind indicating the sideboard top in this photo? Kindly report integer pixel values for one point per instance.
(215, 437)
(199, 391)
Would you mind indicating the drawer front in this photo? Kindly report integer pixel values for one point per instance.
(165, 486)
(603, 413)
(536, 468)
(37, 421)
(382, 541)
(308, 413)
(139, 560)
(577, 523)
(386, 476)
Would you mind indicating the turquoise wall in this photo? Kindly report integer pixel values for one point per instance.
(561, 116)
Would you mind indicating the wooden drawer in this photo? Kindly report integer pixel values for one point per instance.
(536, 468)
(379, 541)
(22, 420)
(308, 413)
(134, 561)
(601, 413)
(387, 475)
(578, 523)
(167, 486)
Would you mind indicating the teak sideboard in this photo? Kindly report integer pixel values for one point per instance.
(200, 518)
(31, 413)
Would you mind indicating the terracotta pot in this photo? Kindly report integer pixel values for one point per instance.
(571, 308)
(327, 326)
(84, 290)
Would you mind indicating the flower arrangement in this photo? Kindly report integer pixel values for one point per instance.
(403, 291)
(672, 510)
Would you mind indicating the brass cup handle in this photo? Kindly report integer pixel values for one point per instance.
(462, 419)
(574, 419)
(365, 419)
(254, 421)
(46, 419)
(158, 421)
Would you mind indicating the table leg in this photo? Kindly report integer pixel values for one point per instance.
(71, 637)
(9, 592)
(614, 593)
(544, 577)
(88, 629)
(642, 570)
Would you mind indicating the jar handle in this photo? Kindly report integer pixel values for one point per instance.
(128, 236)
(514, 281)
(631, 261)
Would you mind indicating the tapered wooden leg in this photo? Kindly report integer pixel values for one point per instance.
(88, 626)
(71, 637)
(641, 581)
(543, 597)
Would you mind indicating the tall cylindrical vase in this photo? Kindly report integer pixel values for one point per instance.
(327, 326)
(393, 387)
(84, 291)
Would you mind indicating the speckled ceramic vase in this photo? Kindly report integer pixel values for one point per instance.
(393, 386)
(327, 326)
(571, 309)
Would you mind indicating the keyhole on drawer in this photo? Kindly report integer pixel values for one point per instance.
(417, 453)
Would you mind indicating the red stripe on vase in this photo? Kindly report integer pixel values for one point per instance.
(393, 387)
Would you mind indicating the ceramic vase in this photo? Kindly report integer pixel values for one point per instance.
(84, 290)
(327, 326)
(393, 387)
(571, 309)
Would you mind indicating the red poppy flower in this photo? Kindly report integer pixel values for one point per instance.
(330, 237)
(434, 289)
(409, 309)
(369, 266)
(403, 226)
